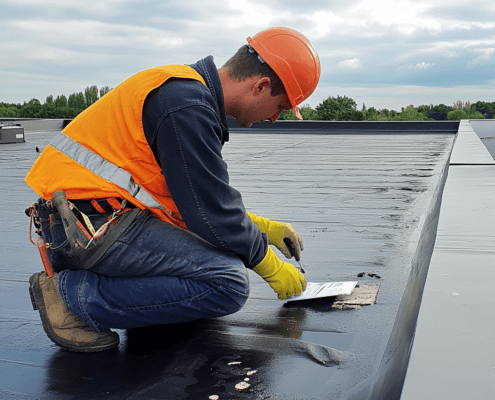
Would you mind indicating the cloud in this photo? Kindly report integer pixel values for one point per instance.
(423, 65)
(352, 63)
(250, 14)
(463, 11)
(94, 34)
(110, 40)
(102, 7)
(169, 42)
(481, 60)
(47, 53)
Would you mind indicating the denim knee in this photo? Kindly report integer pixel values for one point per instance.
(236, 291)
(232, 302)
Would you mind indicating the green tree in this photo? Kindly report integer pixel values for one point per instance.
(31, 109)
(48, 110)
(90, 95)
(9, 110)
(340, 108)
(457, 115)
(308, 114)
(371, 114)
(439, 112)
(12, 112)
(409, 114)
(425, 109)
(287, 115)
(61, 101)
(487, 109)
(77, 101)
(104, 90)
(49, 100)
(475, 115)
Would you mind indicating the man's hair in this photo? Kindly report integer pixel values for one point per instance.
(245, 63)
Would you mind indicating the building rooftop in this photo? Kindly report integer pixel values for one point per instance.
(365, 198)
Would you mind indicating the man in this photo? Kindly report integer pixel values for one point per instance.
(154, 233)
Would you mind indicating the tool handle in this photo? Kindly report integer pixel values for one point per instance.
(288, 243)
(44, 257)
(60, 201)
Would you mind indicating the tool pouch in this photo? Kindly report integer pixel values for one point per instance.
(66, 247)
(98, 247)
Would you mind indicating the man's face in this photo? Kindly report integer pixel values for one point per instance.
(263, 106)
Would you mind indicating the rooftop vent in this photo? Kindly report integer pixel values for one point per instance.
(10, 132)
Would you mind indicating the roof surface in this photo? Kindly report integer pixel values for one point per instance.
(364, 201)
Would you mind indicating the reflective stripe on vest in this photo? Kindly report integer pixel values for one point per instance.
(103, 168)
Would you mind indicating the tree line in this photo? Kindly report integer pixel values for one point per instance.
(339, 108)
(343, 108)
(59, 107)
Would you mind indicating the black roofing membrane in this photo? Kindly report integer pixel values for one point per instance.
(362, 203)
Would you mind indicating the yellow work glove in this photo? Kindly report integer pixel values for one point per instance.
(283, 277)
(277, 232)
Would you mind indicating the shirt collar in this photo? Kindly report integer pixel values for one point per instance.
(208, 70)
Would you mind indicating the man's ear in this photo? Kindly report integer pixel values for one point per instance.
(260, 84)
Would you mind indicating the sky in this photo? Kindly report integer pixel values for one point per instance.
(383, 53)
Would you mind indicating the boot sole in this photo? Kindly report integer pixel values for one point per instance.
(39, 304)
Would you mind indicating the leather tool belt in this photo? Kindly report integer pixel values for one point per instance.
(87, 245)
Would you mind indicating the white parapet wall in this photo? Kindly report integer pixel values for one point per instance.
(469, 149)
(453, 354)
(42, 125)
(35, 124)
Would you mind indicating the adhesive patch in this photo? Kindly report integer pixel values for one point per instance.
(361, 296)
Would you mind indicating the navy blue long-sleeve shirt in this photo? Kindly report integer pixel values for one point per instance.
(185, 125)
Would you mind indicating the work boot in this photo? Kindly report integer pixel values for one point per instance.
(64, 327)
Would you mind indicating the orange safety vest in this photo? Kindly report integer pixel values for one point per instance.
(104, 152)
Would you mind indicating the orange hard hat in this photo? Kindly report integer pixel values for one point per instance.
(292, 58)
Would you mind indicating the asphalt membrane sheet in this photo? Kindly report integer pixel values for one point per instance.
(365, 204)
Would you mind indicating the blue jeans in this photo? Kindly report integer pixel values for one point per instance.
(155, 273)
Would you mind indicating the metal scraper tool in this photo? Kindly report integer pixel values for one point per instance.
(300, 266)
(289, 246)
